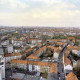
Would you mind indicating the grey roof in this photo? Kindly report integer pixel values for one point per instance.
(18, 76)
(31, 77)
(5, 42)
(38, 74)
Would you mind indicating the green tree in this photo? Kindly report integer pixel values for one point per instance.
(48, 52)
(28, 47)
(15, 34)
(59, 37)
(45, 37)
(45, 74)
(56, 45)
(77, 69)
(23, 56)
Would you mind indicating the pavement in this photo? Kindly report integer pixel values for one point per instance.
(8, 74)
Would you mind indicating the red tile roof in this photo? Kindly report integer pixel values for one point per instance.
(33, 57)
(71, 76)
(12, 54)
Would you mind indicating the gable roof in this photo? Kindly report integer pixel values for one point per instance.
(66, 59)
(39, 50)
(33, 57)
(73, 47)
(12, 54)
(28, 50)
(71, 76)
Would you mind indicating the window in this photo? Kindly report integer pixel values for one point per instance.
(0, 59)
(1, 63)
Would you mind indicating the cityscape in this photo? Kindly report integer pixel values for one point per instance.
(36, 53)
(39, 39)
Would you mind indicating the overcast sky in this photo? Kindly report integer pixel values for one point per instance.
(40, 13)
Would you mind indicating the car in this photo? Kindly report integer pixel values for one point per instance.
(63, 78)
(58, 74)
(59, 78)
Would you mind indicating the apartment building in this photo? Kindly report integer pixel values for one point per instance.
(2, 68)
(56, 51)
(35, 66)
(10, 56)
(67, 63)
(33, 41)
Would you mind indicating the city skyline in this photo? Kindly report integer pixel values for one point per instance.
(57, 13)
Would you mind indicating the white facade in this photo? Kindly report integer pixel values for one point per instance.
(10, 49)
(34, 41)
(76, 52)
(17, 43)
(18, 65)
(55, 56)
(75, 63)
(68, 69)
(1, 51)
(30, 67)
(2, 68)
(35, 67)
(49, 34)
(5, 42)
(17, 51)
(9, 58)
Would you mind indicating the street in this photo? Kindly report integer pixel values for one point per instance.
(61, 75)
(8, 74)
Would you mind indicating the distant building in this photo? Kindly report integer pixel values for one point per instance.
(17, 42)
(10, 49)
(33, 41)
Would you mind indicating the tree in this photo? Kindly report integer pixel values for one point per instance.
(34, 36)
(77, 69)
(28, 47)
(56, 45)
(77, 43)
(59, 37)
(45, 37)
(45, 74)
(15, 34)
(47, 44)
(48, 52)
(23, 56)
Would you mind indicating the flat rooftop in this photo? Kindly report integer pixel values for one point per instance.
(17, 76)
